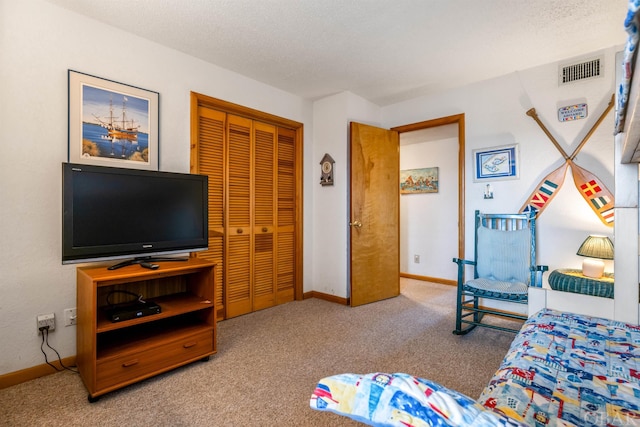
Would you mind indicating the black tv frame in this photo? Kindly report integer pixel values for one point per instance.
(149, 192)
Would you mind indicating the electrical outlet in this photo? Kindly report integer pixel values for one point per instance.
(70, 317)
(45, 320)
(416, 259)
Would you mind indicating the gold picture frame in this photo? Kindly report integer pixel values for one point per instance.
(112, 124)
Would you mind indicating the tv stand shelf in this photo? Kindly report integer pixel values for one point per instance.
(111, 355)
(172, 305)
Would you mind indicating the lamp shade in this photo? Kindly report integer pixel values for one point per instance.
(596, 247)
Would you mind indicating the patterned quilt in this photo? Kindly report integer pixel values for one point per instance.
(562, 369)
(565, 369)
(628, 62)
(403, 400)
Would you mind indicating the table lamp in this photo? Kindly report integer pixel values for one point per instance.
(595, 248)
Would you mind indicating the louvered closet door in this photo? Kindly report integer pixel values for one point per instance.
(285, 208)
(238, 266)
(264, 180)
(209, 160)
(251, 166)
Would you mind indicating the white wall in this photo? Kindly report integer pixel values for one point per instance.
(331, 203)
(626, 250)
(429, 222)
(495, 115)
(39, 42)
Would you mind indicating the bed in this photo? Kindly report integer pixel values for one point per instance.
(569, 369)
(562, 369)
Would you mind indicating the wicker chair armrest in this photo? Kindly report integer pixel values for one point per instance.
(541, 268)
(539, 272)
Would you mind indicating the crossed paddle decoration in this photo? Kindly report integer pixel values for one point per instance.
(594, 192)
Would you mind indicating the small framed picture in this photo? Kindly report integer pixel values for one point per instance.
(496, 163)
(415, 181)
(112, 124)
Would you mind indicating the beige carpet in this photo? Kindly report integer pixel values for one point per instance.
(268, 364)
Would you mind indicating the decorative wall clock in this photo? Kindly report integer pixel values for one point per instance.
(326, 167)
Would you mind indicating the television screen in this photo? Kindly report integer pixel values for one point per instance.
(112, 213)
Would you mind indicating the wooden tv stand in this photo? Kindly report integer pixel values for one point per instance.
(111, 355)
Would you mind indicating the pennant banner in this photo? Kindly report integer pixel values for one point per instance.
(594, 192)
(546, 190)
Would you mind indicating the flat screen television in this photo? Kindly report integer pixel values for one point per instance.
(114, 213)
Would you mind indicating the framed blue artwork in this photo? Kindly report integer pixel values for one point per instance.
(111, 123)
(496, 163)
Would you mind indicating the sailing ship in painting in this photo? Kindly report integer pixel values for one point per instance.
(119, 129)
(118, 134)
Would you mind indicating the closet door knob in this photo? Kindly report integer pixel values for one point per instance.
(265, 229)
(239, 231)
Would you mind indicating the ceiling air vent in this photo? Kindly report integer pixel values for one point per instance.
(580, 71)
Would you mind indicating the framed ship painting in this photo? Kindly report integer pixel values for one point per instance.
(112, 124)
(414, 181)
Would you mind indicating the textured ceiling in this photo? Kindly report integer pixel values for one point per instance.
(385, 51)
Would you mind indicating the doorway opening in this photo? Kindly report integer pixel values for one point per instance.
(428, 221)
(374, 207)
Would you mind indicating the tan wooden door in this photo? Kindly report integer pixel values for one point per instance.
(239, 292)
(264, 213)
(374, 214)
(286, 216)
(250, 256)
(254, 208)
(208, 158)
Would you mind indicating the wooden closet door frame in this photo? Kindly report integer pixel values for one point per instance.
(200, 100)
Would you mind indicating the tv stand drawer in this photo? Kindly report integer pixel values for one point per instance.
(135, 366)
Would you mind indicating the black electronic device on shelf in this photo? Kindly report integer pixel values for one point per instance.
(133, 309)
(121, 312)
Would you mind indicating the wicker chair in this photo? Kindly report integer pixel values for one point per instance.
(504, 267)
